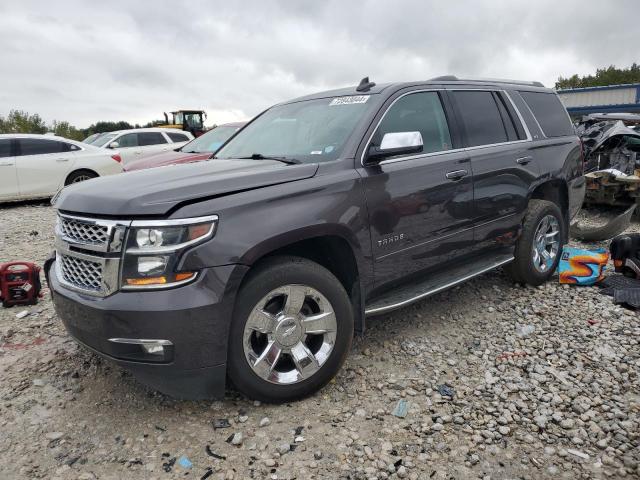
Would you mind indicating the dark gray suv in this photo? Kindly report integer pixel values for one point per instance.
(260, 264)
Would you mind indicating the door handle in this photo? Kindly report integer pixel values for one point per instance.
(456, 174)
(62, 159)
(524, 160)
(6, 164)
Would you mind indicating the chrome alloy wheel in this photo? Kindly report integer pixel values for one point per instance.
(546, 243)
(81, 178)
(290, 334)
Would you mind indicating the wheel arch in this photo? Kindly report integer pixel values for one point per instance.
(77, 170)
(330, 247)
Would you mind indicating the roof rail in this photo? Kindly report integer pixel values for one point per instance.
(453, 78)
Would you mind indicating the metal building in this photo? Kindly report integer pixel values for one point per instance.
(609, 99)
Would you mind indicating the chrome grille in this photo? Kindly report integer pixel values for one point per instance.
(83, 232)
(81, 273)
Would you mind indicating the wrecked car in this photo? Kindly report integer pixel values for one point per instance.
(261, 264)
(612, 162)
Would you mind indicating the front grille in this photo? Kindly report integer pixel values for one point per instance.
(81, 273)
(83, 232)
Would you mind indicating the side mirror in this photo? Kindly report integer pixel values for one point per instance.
(396, 143)
(114, 145)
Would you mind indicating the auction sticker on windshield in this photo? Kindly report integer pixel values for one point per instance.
(349, 100)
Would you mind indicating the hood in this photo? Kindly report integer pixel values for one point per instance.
(166, 158)
(157, 191)
(593, 135)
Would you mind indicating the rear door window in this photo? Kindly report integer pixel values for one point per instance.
(178, 137)
(150, 138)
(127, 140)
(417, 112)
(481, 117)
(549, 112)
(37, 146)
(5, 148)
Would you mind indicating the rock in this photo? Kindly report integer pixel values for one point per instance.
(504, 430)
(54, 436)
(237, 439)
(243, 418)
(401, 471)
(283, 448)
(38, 382)
(317, 455)
(264, 422)
(567, 423)
(541, 421)
(269, 462)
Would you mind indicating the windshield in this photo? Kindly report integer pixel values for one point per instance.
(104, 139)
(309, 131)
(210, 141)
(91, 138)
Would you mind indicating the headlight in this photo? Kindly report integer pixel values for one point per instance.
(154, 247)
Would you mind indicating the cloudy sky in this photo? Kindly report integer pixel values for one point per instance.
(132, 60)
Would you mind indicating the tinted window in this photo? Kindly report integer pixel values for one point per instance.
(549, 112)
(37, 146)
(481, 118)
(178, 137)
(5, 148)
(418, 112)
(150, 138)
(507, 121)
(127, 140)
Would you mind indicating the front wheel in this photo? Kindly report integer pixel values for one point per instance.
(538, 249)
(291, 331)
(80, 176)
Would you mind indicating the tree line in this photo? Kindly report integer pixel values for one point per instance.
(19, 121)
(603, 77)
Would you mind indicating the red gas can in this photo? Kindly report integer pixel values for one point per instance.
(19, 283)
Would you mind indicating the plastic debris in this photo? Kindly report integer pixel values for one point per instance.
(578, 453)
(508, 355)
(627, 297)
(446, 390)
(184, 462)
(208, 472)
(22, 314)
(402, 407)
(213, 454)
(525, 330)
(221, 423)
(582, 267)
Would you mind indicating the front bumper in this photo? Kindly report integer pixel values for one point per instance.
(194, 318)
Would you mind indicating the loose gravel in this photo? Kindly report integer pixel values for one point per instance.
(495, 380)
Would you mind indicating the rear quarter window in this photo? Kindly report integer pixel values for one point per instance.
(178, 137)
(5, 148)
(549, 112)
(150, 138)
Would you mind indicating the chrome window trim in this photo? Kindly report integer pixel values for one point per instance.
(453, 150)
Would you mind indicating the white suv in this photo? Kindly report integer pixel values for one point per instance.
(142, 142)
(37, 166)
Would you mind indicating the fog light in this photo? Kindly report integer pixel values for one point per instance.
(153, 348)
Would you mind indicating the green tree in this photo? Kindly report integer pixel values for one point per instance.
(603, 77)
(64, 129)
(19, 121)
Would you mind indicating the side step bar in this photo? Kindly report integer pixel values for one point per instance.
(407, 294)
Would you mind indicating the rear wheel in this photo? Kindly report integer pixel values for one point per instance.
(80, 176)
(291, 332)
(538, 249)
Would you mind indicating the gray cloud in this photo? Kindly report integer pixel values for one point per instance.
(89, 61)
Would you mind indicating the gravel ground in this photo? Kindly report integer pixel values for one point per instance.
(486, 397)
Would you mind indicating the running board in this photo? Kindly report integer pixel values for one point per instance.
(407, 294)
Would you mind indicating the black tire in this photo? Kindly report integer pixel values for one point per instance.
(273, 274)
(79, 176)
(522, 269)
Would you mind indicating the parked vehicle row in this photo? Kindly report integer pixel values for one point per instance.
(261, 264)
(202, 148)
(140, 143)
(37, 166)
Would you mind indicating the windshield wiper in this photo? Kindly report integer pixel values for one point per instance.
(259, 156)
